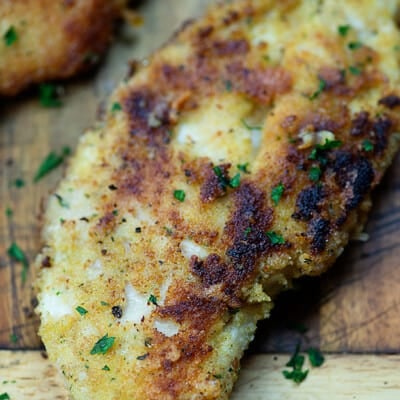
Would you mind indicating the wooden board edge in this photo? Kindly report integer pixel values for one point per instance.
(30, 375)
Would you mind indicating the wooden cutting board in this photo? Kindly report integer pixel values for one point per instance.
(353, 308)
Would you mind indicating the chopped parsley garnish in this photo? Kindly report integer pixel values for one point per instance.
(116, 107)
(314, 174)
(4, 396)
(52, 161)
(104, 303)
(61, 201)
(81, 310)
(315, 356)
(275, 238)
(321, 88)
(367, 145)
(228, 86)
(354, 45)
(106, 368)
(180, 195)
(224, 181)
(103, 345)
(247, 231)
(296, 362)
(48, 94)
(249, 127)
(277, 193)
(10, 37)
(153, 299)
(13, 338)
(243, 167)
(235, 181)
(115, 212)
(15, 252)
(142, 357)
(9, 212)
(19, 183)
(318, 151)
(343, 30)
(355, 70)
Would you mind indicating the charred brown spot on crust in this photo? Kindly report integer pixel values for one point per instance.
(205, 31)
(354, 174)
(246, 230)
(213, 185)
(46, 262)
(211, 271)
(382, 128)
(192, 309)
(260, 84)
(318, 231)
(230, 47)
(308, 203)
(361, 124)
(390, 101)
(149, 116)
(107, 221)
(320, 122)
(332, 77)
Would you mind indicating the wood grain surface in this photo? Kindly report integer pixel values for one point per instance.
(353, 308)
(27, 375)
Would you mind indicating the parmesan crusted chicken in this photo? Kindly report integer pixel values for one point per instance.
(51, 39)
(240, 156)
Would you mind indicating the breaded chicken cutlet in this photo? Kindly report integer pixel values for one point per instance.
(241, 156)
(43, 40)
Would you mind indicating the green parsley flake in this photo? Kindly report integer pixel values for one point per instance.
(61, 201)
(277, 193)
(343, 30)
(315, 356)
(367, 145)
(321, 88)
(354, 45)
(52, 161)
(318, 151)
(19, 183)
(103, 345)
(235, 181)
(249, 127)
(228, 86)
(13, 338)
(179, 195)
(116, 107)
(104, 303)
(355, 70)
(247, 231)
(153, 299)
(115, 212)
(275, 238)
(81, 310)
(296, 362)
(48, 95)
(106, 368)
(243, 167)
(4, 396)
(314, 174)
(9, 212)
(10, 37)
(15, 252)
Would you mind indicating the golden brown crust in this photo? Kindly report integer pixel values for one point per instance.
(310, 137)
(55, 39)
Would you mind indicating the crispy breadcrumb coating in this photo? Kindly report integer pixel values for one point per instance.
(240, 157)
